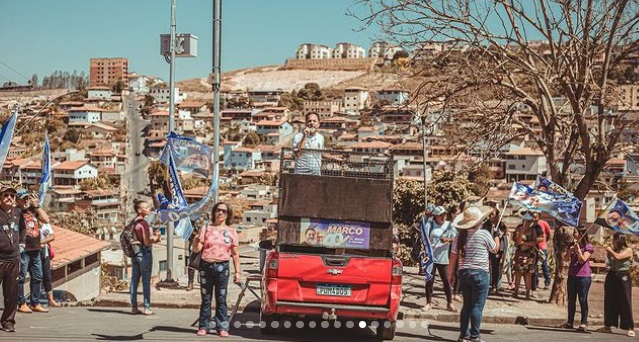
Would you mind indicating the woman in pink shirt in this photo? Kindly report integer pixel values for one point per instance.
(218, 243)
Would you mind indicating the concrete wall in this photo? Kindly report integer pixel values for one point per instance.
(84, 287)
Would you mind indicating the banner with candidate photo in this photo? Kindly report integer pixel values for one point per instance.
(619, 217)
(335, 234)
(564, 208)
(188, 154)
(546, 185)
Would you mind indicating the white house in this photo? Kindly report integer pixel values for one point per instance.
(99, 93)
(163, 95)
(393, 96)
(283, 128)
(382, 49)
(138, 84)
(73, 172)
(109, 115)
(355, 98)
(83, 114)
(259, 213)
(243, 159)
(257, 191)
(524, 164)
(313, 51)
(348, 50)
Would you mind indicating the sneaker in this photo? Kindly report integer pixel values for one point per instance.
(477, 339)
(147, 312)
(630, 333)
(39, 308)
(582, 328)
(463, 339)
(24, 308)
(201, 332)
(8, 327)
(223, 333)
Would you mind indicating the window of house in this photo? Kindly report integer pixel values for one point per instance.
(511, 167)
(162, 265)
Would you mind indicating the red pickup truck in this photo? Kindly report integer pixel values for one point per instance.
(333, 257)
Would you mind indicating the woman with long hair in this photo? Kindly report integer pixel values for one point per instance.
(579, 277)
(218, 243)
(618, 287)
(472, 247)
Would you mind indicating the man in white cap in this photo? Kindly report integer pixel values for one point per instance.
(471, 247)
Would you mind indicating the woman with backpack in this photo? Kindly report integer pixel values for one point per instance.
(218, 244)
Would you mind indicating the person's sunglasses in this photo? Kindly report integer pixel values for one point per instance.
(218, 210)
(9, 195)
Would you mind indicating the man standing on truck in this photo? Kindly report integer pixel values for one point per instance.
(308, 162)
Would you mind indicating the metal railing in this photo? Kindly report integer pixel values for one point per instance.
(338, 163)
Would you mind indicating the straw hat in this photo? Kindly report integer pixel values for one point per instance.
(471, 217)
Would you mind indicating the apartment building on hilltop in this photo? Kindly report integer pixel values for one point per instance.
(108, 71)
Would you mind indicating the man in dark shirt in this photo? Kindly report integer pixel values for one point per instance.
(30, 259)
(12, 237)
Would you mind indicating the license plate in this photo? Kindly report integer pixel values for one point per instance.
(333, 290)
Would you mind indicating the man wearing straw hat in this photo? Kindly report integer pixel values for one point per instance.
(472, 247)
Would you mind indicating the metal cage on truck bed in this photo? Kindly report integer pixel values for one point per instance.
(354, 190)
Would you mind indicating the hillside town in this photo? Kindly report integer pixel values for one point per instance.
(422, 137)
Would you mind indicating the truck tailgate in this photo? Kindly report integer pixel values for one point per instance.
(334, 279)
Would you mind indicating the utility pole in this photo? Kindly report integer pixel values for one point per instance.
(170, 226)
(216, 80)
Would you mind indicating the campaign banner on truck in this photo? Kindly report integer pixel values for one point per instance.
(335, 234)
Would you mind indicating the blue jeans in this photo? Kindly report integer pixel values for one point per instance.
(214, 275)
(142, 266)
(578, 287)
(30, 261)
(474, 286)
(545, 270)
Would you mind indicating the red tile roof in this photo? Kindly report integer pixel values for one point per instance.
(70, 246)
(70, 165)
(271, 123)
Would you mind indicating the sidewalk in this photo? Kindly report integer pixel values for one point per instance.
(500, 309)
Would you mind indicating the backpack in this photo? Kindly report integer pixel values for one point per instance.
(129, 241)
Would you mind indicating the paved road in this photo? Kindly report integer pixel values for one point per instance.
(136, 176)
(115, 324)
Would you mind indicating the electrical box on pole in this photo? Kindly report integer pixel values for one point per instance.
(185, 45)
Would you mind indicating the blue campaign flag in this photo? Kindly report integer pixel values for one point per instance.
(6, 134)
(183, 227)
(426, 254)
(546, 185)
(564, 208)
(619, 217)
(188, 154)
(45, 163)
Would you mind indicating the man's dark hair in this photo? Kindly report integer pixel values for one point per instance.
(311, 113)
(137, 204)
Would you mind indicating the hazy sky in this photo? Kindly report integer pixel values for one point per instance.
(40, 36)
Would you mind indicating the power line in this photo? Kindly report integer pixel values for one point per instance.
(14, 70)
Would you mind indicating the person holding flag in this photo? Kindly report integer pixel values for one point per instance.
(441, 234)
(472, 247)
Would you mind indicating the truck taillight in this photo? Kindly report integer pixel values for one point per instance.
(271, 266)
(396, 272)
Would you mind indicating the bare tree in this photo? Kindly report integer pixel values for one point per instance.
(536, 67)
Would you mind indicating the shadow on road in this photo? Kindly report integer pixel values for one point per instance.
(557, 330)
(110, 311)
(99, 337)
(166, 328)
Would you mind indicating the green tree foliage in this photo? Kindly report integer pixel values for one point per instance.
(34, 80)
(251, 139)
(63, 79)
(72, 135)
(310, 92)
(291, 101)
(149, 100)
(480, 178)
(446, 188)
(101, 182)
